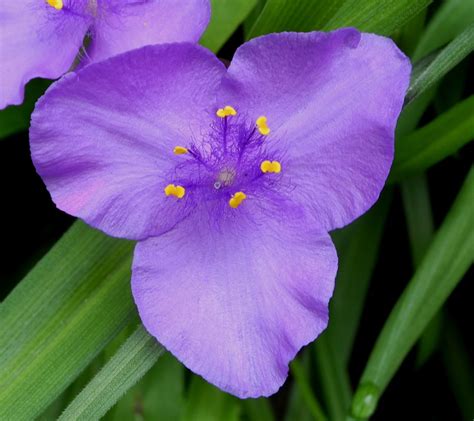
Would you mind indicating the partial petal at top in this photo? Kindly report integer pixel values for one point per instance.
(103, 139)
(235, 305)
(123, 25)
(332, 100)
(37, 40)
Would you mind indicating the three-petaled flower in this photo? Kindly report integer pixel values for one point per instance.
(41, 38)
(231, 180)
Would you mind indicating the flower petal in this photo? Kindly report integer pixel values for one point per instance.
(102, 139)
(332, 99)
(126, 25)
(236, 304)
(36, 41)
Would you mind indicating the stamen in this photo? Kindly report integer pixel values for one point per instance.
(176, 191)
(270, 166)
(226, 111)
(57, 4)
(237, 199)
(262, 125)
(180, 150)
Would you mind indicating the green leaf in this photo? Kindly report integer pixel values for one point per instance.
(378, 16)
(459, 369)
(449, 57)
(158, 396)
(207, 403)
(14, 119)
(136, 356)
(450, 20)
(357, 246)
(258, 409)
(334, 378)
(226, 16)
(417, 206)
(74, 301)
(302, 381)
(448, 258)
(290, 15)
(437, 140)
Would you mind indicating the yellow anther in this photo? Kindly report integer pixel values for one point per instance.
(180, 150)
(226, 111)
(270, 166)
(176, 191)
(262, 125)
(57, 4)
(237, 199)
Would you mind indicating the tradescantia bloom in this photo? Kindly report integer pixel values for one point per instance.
(231, 178)
(41, 38)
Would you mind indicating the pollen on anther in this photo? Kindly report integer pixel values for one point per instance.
(237, 199)
(57, 4)
(226, 111)
(262, 125)
(176, 191)
(270, 166)
(180, 150)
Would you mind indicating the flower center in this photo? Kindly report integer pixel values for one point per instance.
(233, 165)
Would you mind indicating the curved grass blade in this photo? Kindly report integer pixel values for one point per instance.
(134, 358)
(73, 302)
(290, 15)
(448, 258)
(378, 16)
(449, 57)
(226, 16)
(432, 143)
(302, 381)
(452, 17)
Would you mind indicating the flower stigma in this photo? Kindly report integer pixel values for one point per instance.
(230, 160)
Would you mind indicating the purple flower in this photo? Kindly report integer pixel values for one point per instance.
(232, 179)
(41, 38)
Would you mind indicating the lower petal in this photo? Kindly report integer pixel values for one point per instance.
(236, 303)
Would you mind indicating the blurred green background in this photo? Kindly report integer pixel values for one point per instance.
(399, 343)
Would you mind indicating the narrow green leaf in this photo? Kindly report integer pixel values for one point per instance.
(302, 381)
(14, 119)
(159, 395)
(290, 15)
(258, 409)
(379, 16)
(334, 378)
(437, 140)
(207, 403)
(452, 17)
(226, 16)
(297, 408)
(59, 317)
(449, 57)
(459, 369)
(358, 246)
(417, 206)
(449, 256)
(136, 356)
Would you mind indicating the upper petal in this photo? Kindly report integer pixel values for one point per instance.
(37, 41)
(236, 303)
(332, 101)
(102, 139)
(125, 25)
